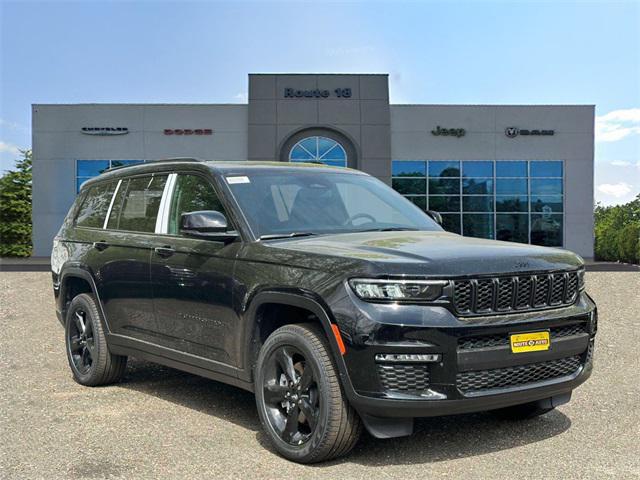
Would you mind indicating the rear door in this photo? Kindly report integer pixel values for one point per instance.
(192, 279)
(125, 248)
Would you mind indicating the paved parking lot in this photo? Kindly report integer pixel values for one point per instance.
(161, 423)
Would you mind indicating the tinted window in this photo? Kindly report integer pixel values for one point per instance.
(409, 169)
(444, 169)
(140, 204)
(511, 169)
(546, 169)
(477, 169)
(192, 193)
(95, 205)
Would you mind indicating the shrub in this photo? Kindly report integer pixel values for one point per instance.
(15, 209)
(617, 232)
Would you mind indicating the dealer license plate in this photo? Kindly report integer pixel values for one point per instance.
(530, 342)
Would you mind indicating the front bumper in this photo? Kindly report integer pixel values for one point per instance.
(477, 370)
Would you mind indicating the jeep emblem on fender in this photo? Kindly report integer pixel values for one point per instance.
(511, 132)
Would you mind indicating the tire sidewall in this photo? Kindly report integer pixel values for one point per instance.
(307, 450)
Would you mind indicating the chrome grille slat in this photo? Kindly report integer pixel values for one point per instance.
(503, 294)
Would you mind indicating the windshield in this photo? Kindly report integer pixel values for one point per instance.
(306, 203)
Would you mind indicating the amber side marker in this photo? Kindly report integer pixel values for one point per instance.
(336, 333)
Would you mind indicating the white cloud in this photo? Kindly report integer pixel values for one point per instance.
(242, 97)
(617, 190)
(618, 124)
(9, 148)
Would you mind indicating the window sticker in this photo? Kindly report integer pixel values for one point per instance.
(236, 180)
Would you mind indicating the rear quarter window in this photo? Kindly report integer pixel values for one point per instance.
(95, 205)
(136, 206)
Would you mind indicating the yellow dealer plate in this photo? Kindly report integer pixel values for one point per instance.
(530, 342)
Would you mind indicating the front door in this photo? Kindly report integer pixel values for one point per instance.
(192, 281)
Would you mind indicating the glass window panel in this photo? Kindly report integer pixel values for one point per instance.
(451, 222)
(420, 201)
(512, 227)
(191, 193)
(409, 186)
(299, 153)
(141, 203)
(477, 169)
(546, 186)
(91, 168)
(477, 203)
(95, 205)
(325, 145)
(511, 169)
(512, 203)
(444, 203)
(311, 146)
(546, 204)
(546, 169)
(444, 169)
(336, 154)
(122, 163)
(444, 186)
(401, 168)
(478, 225)
(506, 186)
(477, 186)
(546, 229)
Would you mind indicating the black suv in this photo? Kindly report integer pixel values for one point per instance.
(334, 299)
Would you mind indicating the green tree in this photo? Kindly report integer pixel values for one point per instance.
(617, 232)
(15, 209)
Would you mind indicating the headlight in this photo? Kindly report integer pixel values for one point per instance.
(581, 279)
(397, 290)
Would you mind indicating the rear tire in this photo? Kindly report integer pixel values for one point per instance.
(300, 400)
(91, 362)
(525, 411)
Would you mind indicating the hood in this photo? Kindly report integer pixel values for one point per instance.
(435, 253)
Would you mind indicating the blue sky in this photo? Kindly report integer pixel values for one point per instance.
(452, 52)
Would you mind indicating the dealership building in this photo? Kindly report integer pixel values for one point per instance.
(521, 173)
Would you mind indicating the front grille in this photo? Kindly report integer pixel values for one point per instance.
(480, 380)
(518, 293)
(404, 377)
(502, 339)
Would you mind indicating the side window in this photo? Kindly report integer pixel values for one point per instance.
(136, 206)
(192, 193)
(95, 205)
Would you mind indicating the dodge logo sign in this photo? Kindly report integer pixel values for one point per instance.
(104, 130)
(188, 131)
(513, 132)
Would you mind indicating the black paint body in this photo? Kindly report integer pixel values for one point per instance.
(198, 308)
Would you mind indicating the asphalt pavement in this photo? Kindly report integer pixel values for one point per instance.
(162, 423)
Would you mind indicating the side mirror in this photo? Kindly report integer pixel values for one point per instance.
(435, 216)
(207, 224)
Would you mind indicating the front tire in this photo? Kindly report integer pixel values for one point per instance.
(91, 362)
(300, 401)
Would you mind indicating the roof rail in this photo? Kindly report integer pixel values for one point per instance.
(160, 160)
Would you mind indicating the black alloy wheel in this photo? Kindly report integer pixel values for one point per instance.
(81, 342)
(291, 395)
(89, 357)
(301, 403)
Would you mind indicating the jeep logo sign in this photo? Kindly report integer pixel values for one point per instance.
(451, 132)
(513, 132)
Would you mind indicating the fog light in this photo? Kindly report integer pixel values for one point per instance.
(408, 357)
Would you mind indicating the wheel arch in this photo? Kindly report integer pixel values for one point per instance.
(304, 303)
(76, 280)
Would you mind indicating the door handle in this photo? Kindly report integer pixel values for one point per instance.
(165, 251)
(101, 245)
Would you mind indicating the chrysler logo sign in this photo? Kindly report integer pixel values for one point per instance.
(513, 132)
(104, 130)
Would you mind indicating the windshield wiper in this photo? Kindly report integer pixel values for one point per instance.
(390, 229)
(275, 236)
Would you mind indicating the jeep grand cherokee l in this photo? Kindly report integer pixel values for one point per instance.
(339, 303)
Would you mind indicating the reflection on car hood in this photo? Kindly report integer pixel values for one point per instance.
(435, 253)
